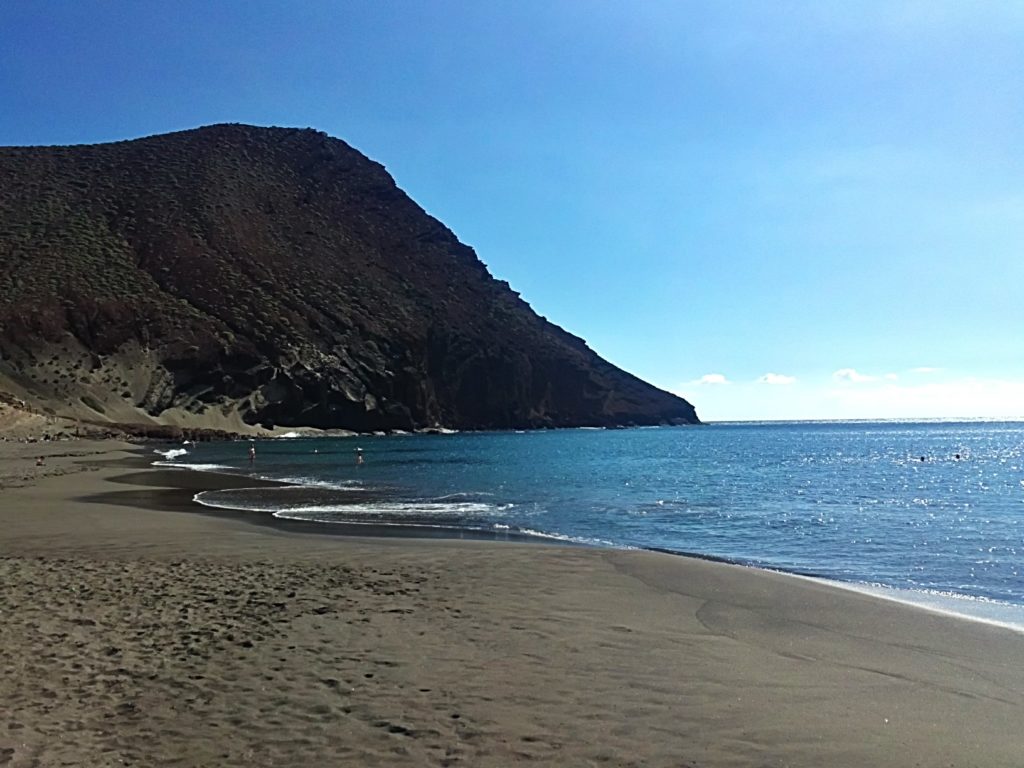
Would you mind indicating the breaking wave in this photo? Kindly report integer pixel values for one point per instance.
(172, 453)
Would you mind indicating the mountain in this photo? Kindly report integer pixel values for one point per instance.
(231, 276)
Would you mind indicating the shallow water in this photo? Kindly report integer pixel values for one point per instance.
(848, 501)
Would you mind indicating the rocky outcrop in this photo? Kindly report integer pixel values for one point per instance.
(241, 275)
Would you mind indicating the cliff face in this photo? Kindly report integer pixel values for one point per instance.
(233, 274)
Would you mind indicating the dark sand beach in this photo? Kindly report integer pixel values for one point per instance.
(136, 632)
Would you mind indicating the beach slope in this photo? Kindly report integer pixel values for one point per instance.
(136, 632)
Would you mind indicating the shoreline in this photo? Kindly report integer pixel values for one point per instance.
(178, 494)
(987, 611)
(152, 636)
(994, 613)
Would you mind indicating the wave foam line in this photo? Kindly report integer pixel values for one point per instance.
(376, 509)
(397, 509)
(196, 467)
(201, 499)
(461, 495)
(995, 613)
(388, 523)
(396, 514)
(312, 482)
(564, 537)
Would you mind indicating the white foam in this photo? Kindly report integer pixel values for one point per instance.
(396, 509)
(172, 453)
(197, 467)
(589, 541)
(382, 523)
(312, 482)
(288, 436)
(559, 536)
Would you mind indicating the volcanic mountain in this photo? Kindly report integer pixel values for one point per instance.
(232, 276)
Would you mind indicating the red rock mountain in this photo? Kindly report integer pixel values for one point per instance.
(234, 275)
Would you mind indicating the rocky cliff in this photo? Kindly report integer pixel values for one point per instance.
(234, 275)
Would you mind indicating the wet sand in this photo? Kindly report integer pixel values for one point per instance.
(135, 631)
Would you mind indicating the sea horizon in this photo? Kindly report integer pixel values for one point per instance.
(880, 420)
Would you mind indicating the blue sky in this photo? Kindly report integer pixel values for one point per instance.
(708, 192)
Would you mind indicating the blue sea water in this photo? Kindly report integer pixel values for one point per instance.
(930, 512)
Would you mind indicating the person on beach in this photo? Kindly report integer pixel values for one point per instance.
(40, 462)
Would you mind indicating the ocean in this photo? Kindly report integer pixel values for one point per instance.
(927, 512)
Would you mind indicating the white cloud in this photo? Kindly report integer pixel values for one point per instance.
(891, 376)
(711, 378)
(851, 375)
(776, 378)
(925, 369)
